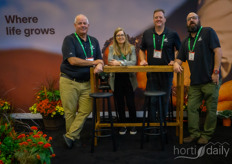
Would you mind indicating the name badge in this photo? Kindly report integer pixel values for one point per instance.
(89, 59)
(191, 56)
(157, 54)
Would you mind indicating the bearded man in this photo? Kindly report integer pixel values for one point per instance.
(203, 52)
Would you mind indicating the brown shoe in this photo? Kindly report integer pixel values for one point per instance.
(202, 141)
(189, 139)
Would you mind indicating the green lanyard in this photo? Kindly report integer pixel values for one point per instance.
(194, 40)
(162, 44)
(90, 44)
(123, 56)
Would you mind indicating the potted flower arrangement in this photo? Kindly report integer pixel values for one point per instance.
(48, 104)
(226, 116)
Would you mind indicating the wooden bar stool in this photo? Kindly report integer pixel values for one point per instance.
(147, 107)
(103, 95)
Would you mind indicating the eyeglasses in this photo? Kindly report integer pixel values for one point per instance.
(193, 17)
(158, 17)
(121, 35)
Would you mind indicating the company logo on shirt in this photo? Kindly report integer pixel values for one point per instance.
(93, 47)
(200, 39)
(166, 40)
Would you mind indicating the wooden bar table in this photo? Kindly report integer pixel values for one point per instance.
(179, 103)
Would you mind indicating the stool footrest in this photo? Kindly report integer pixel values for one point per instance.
(103, 136)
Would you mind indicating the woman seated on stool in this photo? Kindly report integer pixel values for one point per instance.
(123, 85)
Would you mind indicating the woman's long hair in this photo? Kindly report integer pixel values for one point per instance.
(126, 45)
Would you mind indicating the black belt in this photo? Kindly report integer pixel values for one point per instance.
(73, 79)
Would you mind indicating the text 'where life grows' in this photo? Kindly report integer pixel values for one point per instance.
(28, 31)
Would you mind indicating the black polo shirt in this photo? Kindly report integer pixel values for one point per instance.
(202, 66)
(72, 48)
(171, 41)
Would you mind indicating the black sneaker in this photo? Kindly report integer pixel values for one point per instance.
(133, 131)
(122, 131)
(68, 141)
(77, 143)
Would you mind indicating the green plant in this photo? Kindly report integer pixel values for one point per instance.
(8, 143)
(34, 147)
(225, 114)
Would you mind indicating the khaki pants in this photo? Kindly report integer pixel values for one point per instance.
(73, 94)
(208, 92)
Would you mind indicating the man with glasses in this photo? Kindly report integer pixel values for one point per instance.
(80, 52)
(161, 44)
(203, 52)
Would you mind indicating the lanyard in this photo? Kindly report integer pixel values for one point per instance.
(123, 56)
(90, 44)
(194, 40)
(162, 43)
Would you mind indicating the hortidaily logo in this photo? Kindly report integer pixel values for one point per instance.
(209, 149)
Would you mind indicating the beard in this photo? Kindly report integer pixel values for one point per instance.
(195, 28)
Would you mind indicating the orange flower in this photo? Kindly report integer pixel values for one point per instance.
(38, 157)
(0, 143)
(40, 132)
(29, 140)
(36, 136)
(45, 135)
(53, 155)
(34, 128)
(46, 106)
(40, 143)
(50, 138)
(203, 106)
(47, 145)
(33, 145)
(204, 109)
(21, 136)
(23, 143)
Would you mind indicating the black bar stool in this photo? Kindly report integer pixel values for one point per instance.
(147, 107)
(103, 95)
(104, 88)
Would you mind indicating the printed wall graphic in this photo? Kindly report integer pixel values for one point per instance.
(32, 32)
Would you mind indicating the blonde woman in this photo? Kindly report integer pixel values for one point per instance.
(123, 85)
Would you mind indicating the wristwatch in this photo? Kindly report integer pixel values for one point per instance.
(216, 71)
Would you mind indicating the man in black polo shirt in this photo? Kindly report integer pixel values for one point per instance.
(203, 52)
(161, 44)
(80, 52)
